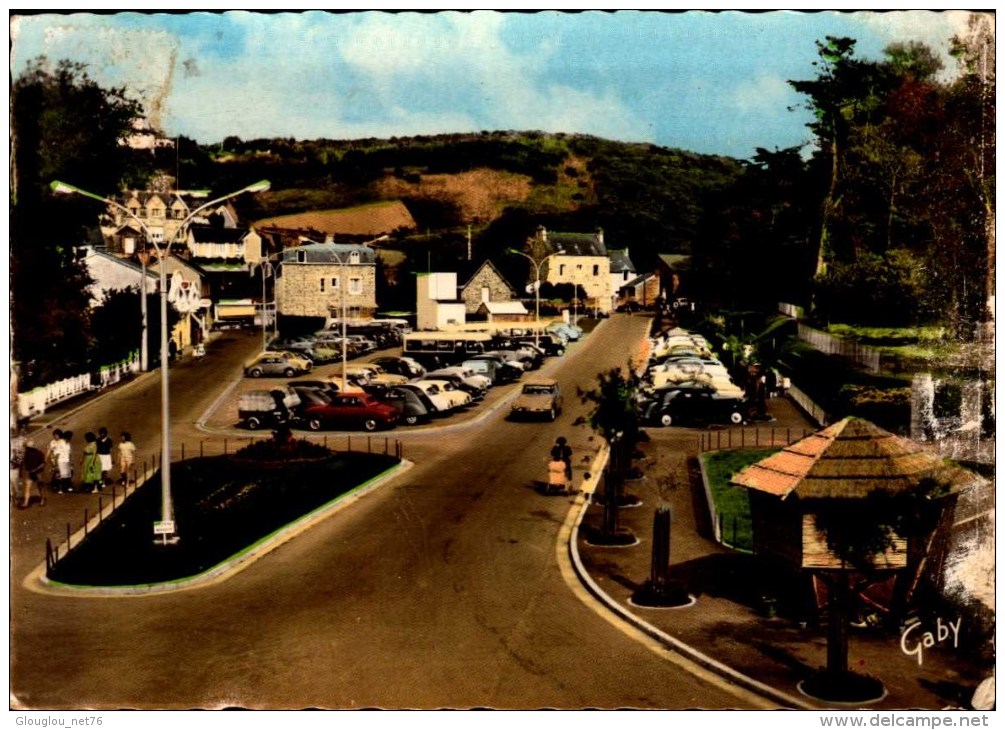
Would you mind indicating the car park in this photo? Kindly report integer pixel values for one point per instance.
(694, 402)
(351, 410)
(539, 398)
(284, 364)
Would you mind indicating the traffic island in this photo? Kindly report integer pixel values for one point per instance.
(843, 688)
(225, 508)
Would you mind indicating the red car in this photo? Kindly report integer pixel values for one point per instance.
(351, 410)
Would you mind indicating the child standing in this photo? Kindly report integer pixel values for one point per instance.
(127, 457)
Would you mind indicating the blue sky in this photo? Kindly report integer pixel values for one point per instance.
(710, 82)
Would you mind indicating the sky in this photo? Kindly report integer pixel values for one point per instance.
(708, 82)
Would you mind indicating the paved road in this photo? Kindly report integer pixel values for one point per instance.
(440, 589)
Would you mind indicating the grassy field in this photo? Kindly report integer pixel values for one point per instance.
(732, 503)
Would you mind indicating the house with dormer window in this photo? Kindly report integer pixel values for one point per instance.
(583, 261)
(315, 279)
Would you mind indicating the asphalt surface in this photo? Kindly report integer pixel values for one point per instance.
(442, 588)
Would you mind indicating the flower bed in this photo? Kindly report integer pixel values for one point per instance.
(222, 507)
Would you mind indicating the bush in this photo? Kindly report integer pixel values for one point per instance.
(889, 408)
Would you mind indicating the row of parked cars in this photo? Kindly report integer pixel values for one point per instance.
(293, 355)
(389, 390)
(685, 384)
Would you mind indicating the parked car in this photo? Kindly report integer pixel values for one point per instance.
(540, 397)
(351, 410)
(550, 344)
(693, 402)
(285, 364)
(470, 376)
(311, 395)
(629, 306)
(572, 331)
(504, 370)
(413, 403)
(458, 381)
(453, 398)
(400, 366)
(267, 408)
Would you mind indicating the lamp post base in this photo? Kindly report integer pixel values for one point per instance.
(166, 540)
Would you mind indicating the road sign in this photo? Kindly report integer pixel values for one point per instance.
(164, 527)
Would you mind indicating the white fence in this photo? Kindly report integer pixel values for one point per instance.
(867, 357)
(34, 402)
(791, 310)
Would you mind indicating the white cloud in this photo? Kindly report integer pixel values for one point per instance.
(765, 94)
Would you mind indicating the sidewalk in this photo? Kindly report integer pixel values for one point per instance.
(724, 623)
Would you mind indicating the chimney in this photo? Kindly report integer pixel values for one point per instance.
(329, 238)
(600, 236)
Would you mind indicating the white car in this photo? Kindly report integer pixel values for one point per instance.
(472, 378)
(450, 397)
(691, 366)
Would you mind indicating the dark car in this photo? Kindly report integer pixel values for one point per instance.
(552, 346)
(413, 403)
(351, 410)
(691, 403)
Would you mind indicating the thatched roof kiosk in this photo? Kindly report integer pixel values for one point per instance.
(849, 504)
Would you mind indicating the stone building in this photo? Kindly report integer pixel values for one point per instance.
(583, 261)
(310, 280)
(484, 284)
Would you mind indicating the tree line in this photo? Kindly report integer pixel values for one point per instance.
(887, 217)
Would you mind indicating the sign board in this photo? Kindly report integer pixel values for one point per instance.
(165, 527)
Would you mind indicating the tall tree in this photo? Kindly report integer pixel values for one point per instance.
(64, 126)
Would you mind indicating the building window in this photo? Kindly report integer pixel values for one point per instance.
(354, 257)
(301, 257)
(561, 269)
(485, 294)
(355, 285)
(596, 270)
(156, 213)
(322, 283)
(334, 283)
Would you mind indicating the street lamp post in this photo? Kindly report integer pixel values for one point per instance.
(165, 528)
(537, 286)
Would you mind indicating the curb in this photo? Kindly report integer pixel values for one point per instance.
(36, 580)
(726, 672)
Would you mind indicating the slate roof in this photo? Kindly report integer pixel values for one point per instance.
(620, 261)
(576, 244)
(850, 459)
(631, 283)
(329, 253)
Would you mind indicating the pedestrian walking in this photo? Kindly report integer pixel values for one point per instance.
(64, 462)
(127, 457)
(17, 446)
(50, 459)
(562, 452)
(104, 444)
(31, 472)
(91, 464)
